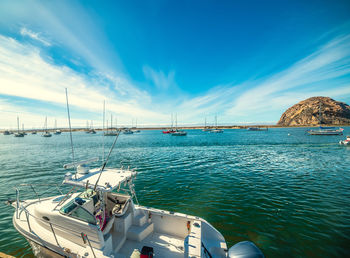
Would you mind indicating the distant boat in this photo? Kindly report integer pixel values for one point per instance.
(216, 129)
(24, 133)
(111, 133)
(92, 130)
(325, 130)
(46, 133)
(206, 128)
(134, 128)
(57, 131)
(171, 129)
(127, 131)
(257, 129)
(346, 141)
(34, 132)
(7, 132)
(178, 132)
(18, 134)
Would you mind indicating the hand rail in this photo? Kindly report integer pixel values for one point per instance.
(27, 213)
(36, 193)
(85, 237)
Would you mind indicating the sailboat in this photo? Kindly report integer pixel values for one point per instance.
(87, 127)
(325, 130)
(92, 130)
(111, 132)
(216, 129)
(57, 131)
(18, 134)
(24, 133)
(171, 129)
(178, 132)
(101, 217)
(206, 128)
(46, 133)
(134, 129)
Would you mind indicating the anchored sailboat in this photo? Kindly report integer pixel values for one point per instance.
(325, 130)
(178, 132)
(216, 129)
(57, 132)
(46, 133)
(111, 132)
(18, 134)
(171, 129)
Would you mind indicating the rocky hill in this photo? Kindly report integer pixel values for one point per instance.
(306, 112)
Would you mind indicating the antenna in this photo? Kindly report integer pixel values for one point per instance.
(103, 130)
(105, 163)
(70, 132)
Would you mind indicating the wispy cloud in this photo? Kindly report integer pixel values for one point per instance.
(24, 73)
(324, 72)
(160, 79)
(323, 69)
(35, 36)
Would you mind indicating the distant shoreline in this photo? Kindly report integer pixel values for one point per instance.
(180, 128)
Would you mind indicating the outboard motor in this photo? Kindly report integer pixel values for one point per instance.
(245, 249)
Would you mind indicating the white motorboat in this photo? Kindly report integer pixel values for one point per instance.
(100, 217)
(346, 141)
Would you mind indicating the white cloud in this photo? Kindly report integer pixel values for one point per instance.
(323, 67)
(161, 80)
(24, 73)
(35, 36)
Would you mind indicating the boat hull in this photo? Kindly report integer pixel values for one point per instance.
(325, 133)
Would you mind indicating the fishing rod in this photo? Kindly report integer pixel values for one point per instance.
(70, 133)
(105, 162)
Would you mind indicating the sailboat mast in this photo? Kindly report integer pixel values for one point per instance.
(172, 121)
(17, 124)
(111, 121)
(320, 114)
(176, 120)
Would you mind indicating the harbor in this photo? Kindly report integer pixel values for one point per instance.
(270, 190)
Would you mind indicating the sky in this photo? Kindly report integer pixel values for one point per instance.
(244, 61)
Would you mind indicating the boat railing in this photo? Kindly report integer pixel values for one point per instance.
(33, 186)
(83, 235)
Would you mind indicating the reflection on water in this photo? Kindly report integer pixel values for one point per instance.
(287, 193)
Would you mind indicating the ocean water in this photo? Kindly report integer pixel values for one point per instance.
(286, 191)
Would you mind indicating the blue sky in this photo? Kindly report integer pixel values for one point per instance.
(246, 61)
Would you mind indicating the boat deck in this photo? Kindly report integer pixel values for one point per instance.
(163, 246)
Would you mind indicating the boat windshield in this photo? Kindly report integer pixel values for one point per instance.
(82, 207)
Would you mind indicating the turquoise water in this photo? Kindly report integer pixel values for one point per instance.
(290, 194)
